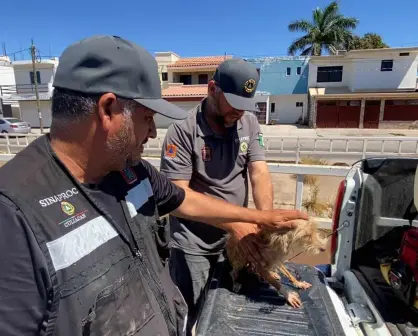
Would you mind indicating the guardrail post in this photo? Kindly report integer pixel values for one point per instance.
(364, 148)
(8, 144)
(297, 151)
(299, 191)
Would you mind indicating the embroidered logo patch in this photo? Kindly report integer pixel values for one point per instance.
(129, 175)
(171, 151)
(261, 139)
(243, 147)
(249, 85)
(206, 153)
(67, 208)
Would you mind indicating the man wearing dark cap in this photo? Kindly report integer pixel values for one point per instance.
(81, 242)
(211, 152)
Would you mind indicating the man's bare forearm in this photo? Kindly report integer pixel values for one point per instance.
(201, 208)
(262, 186)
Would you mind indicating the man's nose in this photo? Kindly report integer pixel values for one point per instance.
(153, 130)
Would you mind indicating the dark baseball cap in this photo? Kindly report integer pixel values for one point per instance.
(101, 64)
(238, 80)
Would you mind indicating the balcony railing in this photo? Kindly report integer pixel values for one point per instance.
(23, 89)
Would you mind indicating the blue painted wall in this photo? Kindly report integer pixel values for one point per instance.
(273, 75)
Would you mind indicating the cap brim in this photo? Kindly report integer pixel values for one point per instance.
(242, 103)
(164, 108)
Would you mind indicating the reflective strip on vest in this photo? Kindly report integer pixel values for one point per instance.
(80, 242)
(138, 196)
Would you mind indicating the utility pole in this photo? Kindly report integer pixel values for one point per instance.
(35, 80)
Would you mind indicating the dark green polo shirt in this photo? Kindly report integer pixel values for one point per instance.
(214, 165)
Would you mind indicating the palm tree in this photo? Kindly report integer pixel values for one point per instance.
(329, 30)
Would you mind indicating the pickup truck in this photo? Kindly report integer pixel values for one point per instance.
(352, 295)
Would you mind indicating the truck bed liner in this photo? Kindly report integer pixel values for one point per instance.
(259, 310)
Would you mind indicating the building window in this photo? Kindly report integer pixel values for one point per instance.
(387, 65)
(38, 77)
(329, 74)
(164, 76)
(273, 107)
(186, 79)
(298, 71)
(299, 104)
(288, 71)
(203, 78)
(404, 54)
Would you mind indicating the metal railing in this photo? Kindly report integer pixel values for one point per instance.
(22, 89)
(299, 170)
(354, 147)
(283, 148)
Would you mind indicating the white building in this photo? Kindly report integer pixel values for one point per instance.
(9, 107)
(374, 88)
(25, 89)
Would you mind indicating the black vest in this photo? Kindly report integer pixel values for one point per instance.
(97, 282)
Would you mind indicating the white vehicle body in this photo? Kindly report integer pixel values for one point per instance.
(357, 312)
(14, 126)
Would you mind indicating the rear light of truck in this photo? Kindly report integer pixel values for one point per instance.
(13, 126)
(336, 218)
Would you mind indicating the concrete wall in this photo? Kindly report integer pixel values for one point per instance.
(274, 78)
(362, 71)
(7, 74)
(22, 74)
(286, 111)
(163, 59)
(367, 74)
(29, 112)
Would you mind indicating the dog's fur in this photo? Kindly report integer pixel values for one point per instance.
(277, 247)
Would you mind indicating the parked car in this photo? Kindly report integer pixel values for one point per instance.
(369, 288)
(14, 125)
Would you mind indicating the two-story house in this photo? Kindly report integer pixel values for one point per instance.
(9, 107)
(374, 88)
(184, 82)
(25, 89)
(284, 81)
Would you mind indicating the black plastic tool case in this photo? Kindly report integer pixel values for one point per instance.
(259, 310)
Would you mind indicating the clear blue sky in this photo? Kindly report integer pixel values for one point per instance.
(193, 28)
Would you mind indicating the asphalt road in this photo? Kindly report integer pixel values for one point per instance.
(286, 151)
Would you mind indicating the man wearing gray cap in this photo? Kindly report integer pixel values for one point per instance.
(80, 237)
(211, 152)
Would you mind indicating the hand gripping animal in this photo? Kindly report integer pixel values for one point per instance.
(277, 245)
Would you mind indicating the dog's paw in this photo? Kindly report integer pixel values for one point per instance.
(236, 287)
(294, 300)
(303, 285)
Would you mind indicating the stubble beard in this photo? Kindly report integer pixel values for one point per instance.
(122, 146)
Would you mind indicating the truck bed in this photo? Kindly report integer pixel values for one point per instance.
(259, 310)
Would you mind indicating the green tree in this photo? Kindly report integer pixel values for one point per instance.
(368, 41)
(328, 30)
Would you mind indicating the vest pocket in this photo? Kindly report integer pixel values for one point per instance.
(126, 307)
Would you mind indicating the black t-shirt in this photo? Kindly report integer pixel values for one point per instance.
(22, 299)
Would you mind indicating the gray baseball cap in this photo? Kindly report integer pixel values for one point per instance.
(238, 80)
(101, 64)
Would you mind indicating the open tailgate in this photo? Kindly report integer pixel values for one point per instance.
(259, 310)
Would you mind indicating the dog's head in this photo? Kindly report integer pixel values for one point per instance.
(307, 236)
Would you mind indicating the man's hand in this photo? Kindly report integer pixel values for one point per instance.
(282, 219)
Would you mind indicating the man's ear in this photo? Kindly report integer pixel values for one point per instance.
(211, 88)
(105, 110)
